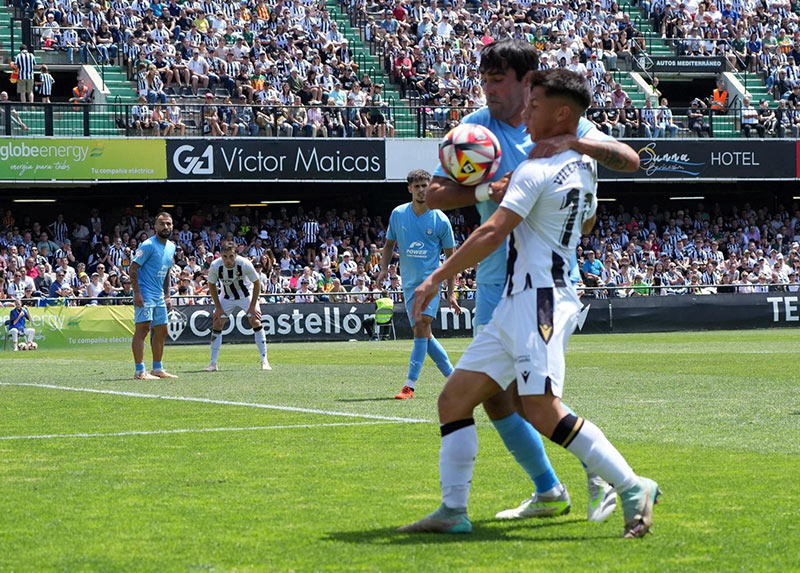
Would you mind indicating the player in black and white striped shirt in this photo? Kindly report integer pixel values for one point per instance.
(237, 280)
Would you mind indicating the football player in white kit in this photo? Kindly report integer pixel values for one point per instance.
(548, 204)
(240, 286)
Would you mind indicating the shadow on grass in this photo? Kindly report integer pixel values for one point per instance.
(484, 530)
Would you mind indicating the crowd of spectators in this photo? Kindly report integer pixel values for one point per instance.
(283, 68)
(303, 256)
(308, 255)
(433, 50)
(755, 37)
(286, 66)
(654, 252)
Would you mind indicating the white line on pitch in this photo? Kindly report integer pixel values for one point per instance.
(191, 431)
(212, 401)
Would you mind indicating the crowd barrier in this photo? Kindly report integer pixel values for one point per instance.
(60, 326)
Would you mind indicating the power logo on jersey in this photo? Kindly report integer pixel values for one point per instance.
(417, 249)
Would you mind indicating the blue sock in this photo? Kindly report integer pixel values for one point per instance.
(157, 365)
(417, 359)
(439, 357)
(525, 444)
(139, 367)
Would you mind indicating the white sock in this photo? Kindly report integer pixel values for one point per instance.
(456, 462)
(14, 336)
(31, 333)
(261, 342)
(592, 447)
(216, 343)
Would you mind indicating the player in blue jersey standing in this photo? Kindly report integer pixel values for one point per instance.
(149, 275)
(505, 65)
(421, 235)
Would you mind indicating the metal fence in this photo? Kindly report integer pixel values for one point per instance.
(211, 116)
(609, 291)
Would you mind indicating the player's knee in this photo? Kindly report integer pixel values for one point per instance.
(542, 412)
(449, 406)
(499, 406)
(254, 322)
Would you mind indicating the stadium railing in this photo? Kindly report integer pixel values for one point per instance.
(424, 120)
(117, 119)
(610, 291)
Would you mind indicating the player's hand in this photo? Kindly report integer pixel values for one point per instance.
(254, 311)
(381, 277)
(138, 300)
(169, 303)
(499, 188)
(552, 146)
(454, 306)
(423, 295)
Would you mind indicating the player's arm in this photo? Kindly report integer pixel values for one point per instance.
(167, 298)
(133, 274)
(480, 244)
(588, 225)
(609, 153)
(444, 193)
(255, 309)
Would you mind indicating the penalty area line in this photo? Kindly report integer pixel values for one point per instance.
(219, 402)
(192, 431)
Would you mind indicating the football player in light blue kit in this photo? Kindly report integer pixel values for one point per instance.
(149, 275)
(421, 235)
(504, 66)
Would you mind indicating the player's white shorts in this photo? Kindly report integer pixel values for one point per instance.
(230, 305)
(526, 341)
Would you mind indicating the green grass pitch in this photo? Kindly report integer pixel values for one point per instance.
(271, 471)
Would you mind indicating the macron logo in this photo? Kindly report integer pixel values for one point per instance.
(186, 162)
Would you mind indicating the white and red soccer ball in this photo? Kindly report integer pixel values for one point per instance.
(470, 154)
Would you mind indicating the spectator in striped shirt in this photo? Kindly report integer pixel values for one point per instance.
(45, 84)
(25, 62)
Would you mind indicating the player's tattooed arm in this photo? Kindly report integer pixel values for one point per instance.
(611, 154)
(166, 292)
(133, 274)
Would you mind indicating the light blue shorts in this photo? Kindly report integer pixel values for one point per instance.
(431, 310)
(155, 314)
(486, 300)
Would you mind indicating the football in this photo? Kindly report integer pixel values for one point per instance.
(469, 154)
(22, 346)
(32, 345)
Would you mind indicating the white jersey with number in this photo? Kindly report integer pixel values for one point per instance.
(554, 197)
(233, 283)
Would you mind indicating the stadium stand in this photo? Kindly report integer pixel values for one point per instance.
(631, 252)
(416, 61)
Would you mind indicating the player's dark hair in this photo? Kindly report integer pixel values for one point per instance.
(163, 214)
(508, 54)
(558, 82)
(227, 246)
(418, 175)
